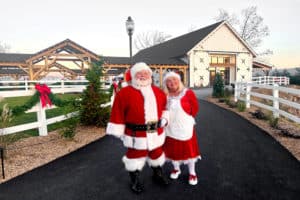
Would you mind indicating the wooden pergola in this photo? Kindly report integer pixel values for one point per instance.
(71, 60)
(56, 58)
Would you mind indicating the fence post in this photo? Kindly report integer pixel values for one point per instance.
(280, 80)
(266, 80)
(41, 116)
(236, 91)
(285, 80)
(26, 85)
(2, 162)
(275, 100)
(63, 86)
(248, 90)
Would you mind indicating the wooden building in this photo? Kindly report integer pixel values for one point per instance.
(197, 56)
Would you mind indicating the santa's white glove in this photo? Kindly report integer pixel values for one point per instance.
(163, 122)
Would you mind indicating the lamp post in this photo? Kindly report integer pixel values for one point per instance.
(130, 28)
(2, 161)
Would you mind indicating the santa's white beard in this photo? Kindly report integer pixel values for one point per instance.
(138, 83)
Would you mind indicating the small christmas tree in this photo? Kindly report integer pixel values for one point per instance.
(218, 87)
(91, 112)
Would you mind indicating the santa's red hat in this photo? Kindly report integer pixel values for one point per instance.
(139, 67)
(127, 76)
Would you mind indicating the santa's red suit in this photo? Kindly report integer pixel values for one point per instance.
(139, 106)
(181, 142)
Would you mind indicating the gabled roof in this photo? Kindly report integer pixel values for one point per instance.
(14, 57)
(172, 51)
(260, 64)
(116, 60)
(12, 70)
(66, 45)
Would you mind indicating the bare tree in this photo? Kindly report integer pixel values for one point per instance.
(224, 15)
(250, 28)
(150, 38)
(4, 47)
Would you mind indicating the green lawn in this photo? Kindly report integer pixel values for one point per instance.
(32, 117)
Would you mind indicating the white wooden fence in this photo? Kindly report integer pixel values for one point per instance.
(245, 89)
(27, 89)
(271, 80)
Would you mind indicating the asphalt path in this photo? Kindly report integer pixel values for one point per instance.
(240, 161)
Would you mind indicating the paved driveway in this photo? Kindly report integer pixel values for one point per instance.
(203, 92)
(239, 162)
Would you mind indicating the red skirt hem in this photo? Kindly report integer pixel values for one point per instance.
(181, 150)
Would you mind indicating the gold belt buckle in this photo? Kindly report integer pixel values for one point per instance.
(149, 125)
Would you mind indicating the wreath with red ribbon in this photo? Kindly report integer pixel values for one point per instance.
(43, 93)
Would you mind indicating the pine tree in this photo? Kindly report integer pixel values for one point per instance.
(91, 112)
(218, 87)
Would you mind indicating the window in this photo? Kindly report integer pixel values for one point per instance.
(214, 59)
(222, 59)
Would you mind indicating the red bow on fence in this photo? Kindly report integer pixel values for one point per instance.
(44, 91)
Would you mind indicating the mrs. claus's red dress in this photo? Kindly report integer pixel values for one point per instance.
(181, 141)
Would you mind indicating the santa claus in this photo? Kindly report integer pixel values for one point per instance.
(137, 117)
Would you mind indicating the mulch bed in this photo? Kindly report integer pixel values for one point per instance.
(29, 153)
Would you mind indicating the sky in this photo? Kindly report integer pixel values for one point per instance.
(32, 25)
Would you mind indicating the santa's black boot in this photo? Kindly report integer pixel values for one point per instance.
(159, 177)
(136, 186)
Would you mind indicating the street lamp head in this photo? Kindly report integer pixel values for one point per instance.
(129, 26)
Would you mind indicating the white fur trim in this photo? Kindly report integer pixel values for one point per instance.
(186, 161)
(150, 105)
(139, 67)
(115, 129)
(139, 142)
(171, 74)
(152, 141)
(155, 140)
(124, 84)
(157, 162)
(133, 164)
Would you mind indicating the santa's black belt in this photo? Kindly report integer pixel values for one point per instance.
(151, 126)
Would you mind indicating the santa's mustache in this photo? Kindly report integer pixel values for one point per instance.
(142, 81)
